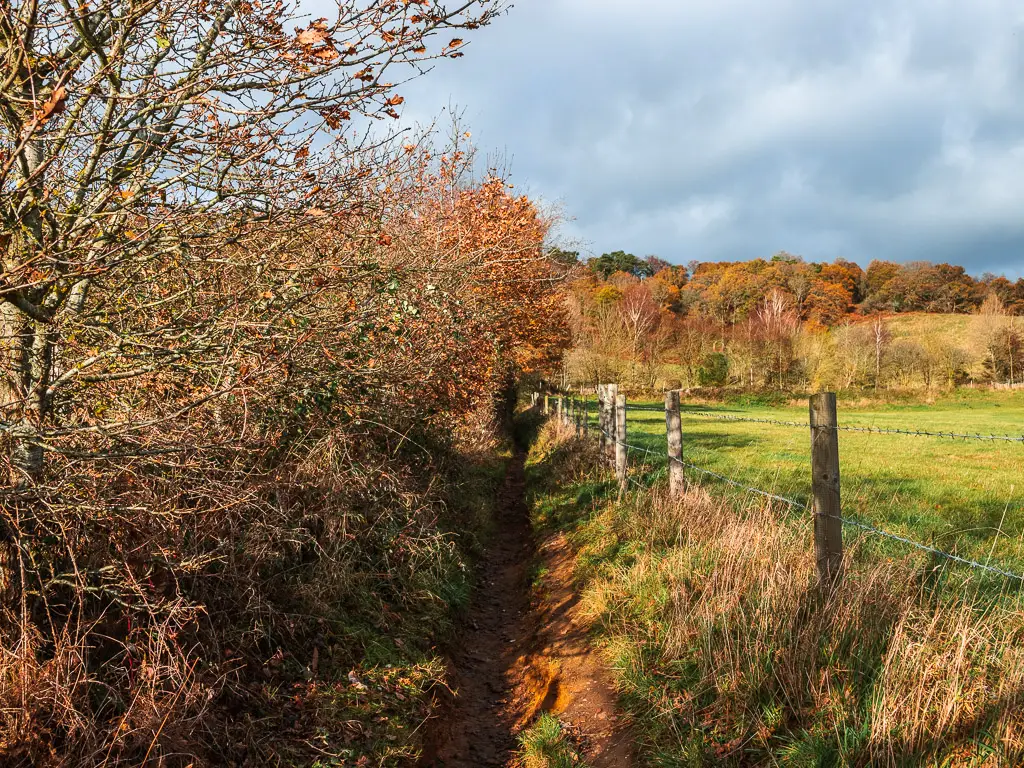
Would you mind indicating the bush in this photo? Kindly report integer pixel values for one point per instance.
(714, 370)
(239, 555)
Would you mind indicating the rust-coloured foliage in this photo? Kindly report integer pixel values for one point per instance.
(242, 353)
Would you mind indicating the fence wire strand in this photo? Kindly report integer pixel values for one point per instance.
(925, 548)
(713, 416)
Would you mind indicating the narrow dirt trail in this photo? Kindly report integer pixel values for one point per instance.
(479, 728)
(521, 654)
(565, 675)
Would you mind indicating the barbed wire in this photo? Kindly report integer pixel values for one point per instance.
(711, 415)
(742, 486)
(629, 447)
(926, 548)
(637, 483)
(926, 433)
(861, 525)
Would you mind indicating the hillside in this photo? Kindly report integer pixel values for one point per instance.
(885, 352)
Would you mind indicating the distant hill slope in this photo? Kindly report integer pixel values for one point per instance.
(960, 330)
(932, 349)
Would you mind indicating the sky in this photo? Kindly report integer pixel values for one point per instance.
(734, 129)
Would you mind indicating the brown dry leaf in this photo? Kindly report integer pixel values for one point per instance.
(53, 105)
(315, 33)
(326, 53)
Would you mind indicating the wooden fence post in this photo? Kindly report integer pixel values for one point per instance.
(547, 405)
(601, 437)
(828, 527)
(558, 408)
(611, 397)
(674, 435)
(621, 452)
(585, 418)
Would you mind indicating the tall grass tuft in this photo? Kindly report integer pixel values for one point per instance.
(547, 744)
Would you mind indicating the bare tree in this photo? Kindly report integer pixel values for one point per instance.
(991, 326)
(133, 131)
(774, 322)
(639, 315)
(880, 337)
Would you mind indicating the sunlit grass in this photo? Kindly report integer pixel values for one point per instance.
(728, 651)
(546, 744)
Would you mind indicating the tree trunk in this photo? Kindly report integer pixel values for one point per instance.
(29, 348)
(28, 341)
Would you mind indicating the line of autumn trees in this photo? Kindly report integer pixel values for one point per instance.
(784, 322)
(250, 356)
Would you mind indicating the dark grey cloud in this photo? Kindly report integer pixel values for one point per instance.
(730, 129)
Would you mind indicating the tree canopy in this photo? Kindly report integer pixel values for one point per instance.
(608, 264)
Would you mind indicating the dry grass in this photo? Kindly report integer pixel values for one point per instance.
(548, 743)
(262, 614)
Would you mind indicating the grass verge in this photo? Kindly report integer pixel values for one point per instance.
(370, 709)
(959, 496)
(727, 652)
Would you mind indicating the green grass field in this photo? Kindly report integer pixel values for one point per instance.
(962, 496)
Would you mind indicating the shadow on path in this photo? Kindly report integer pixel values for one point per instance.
(479, 725)
(521, 654)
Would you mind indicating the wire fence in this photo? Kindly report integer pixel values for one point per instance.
(704, 472)
(711, 415)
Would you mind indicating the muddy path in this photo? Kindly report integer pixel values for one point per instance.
(522, 652)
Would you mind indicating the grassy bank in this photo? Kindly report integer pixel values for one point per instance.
(377, 687)
(318, 638)
(727, 652)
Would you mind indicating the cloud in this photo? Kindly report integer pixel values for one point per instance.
(731, 129)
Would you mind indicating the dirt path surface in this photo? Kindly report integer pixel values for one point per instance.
(522, 654)
(574, 682)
